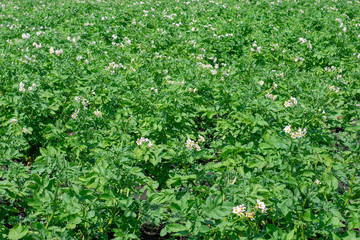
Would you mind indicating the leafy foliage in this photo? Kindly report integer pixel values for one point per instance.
(131, 120)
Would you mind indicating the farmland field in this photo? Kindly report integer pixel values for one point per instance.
(180, 119)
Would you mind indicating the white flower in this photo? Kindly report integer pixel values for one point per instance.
(97, 113)
(293, 100)
(304, 132)
(288, 103)
(299, 134)
(77, 99)
(302, 40)
(13, 121)
(190, 144)
(85, 103)
(37, 46)
(21, 87)
(58, 52)
(317, 182)
(24, 130)
(25, 35)
(261, 83)
(261, 205)
(275, 85)
(334, 89)
(74, 115)
(214, 72)
(238, 210)
(51, 50)
(197, 147)
(233, 181)
(287, 129)
(30, 89)
(250, 215)
(144, 140)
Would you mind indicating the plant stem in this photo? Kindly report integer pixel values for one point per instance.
(292, 161)
(54, 205)
(351, 184)
(85, 223)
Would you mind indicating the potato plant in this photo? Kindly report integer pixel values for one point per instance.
(181, 119)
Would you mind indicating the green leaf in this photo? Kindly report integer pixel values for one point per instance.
(163, 232)
(331, 181)
(256, 163)
(308, 216)
(18, 232)
(175, 207)
(106, 196)
(175, 227)
(308, 173)
(73, 221)
(290, 235)
(204, 229)
(284, 206)
(335, 222)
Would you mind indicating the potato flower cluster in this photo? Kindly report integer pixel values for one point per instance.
(299, 134)
(270, 96)
(190, 144)
(22, 87)
(144, 140)
(240, 210)
(291, 102)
